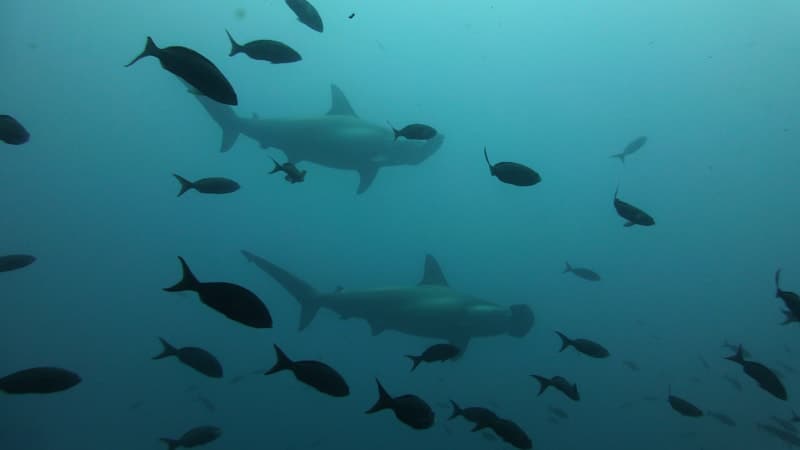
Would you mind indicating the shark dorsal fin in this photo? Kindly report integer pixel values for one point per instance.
(433, 272)
(339, 104)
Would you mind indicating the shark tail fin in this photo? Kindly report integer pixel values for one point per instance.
(225, 117)
(414, 359)
(168, 350)
(565, 341)
(283, 362)
(384, 400)
(303, 292)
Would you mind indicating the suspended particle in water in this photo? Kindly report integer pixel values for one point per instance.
(240, 13)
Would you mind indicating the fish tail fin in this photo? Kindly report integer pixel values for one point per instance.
(283, 362)
(303, 292)
(185, 184)
(172, 444)
(738, 357)
(486, 156)
(621, 157)
(168, 350)
(457, 411)
(414, 359)
(277, 167)
(150, 49)
(384, 400)
(544, 383)
(394, 130)
(235, 47)
(565, 341)
(567, 268)
(188, 281)
(789, 317)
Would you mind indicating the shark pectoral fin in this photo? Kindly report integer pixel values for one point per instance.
(376, 328)
(339, 104)
(433, 273)
(367, 175)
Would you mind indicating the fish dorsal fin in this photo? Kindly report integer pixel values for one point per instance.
(339, 104)
(433, 273)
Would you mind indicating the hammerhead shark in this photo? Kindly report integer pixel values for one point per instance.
(338, 139)
(429, 309)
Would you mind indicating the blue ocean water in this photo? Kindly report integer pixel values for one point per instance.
(559, 86)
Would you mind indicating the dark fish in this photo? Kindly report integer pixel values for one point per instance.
(631, 148)
(560, 383)
(481, 417)
(790, 299)
(683, 407)
(194, 437)
(558, 412)
(436, 352)
(409, 409)
(582, 272)
(787, 437)
(765, 377)
(12, 132)
(511, 432)
(193, 68)
(214, 185)
(632, 214)
(306, 14)
(265, 50)
(585, 346)
(39, 380)
(194, 357)
(631, 365)
(512, 173)
(14, 262)
(209, 405)
(313, 373)
(293, 174)
(415, 131)
(785, 424)
(722, 418)
(234, 301)
(351, 15)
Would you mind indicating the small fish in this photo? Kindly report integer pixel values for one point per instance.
(722, 418)
(39, 380)
(214, 185)
(765, 377)
(12, 132)
(631, 365)
(481, 417)
(415, 131)
(436, 352)
(785, 424)
(409, 409)
(306, 14)
(631, 148)
(293, 175)
(683, 407)
(790, 439)
(351, 15)
(320, 376)
(585, 346)
(194, 437)
(512, 173)
(193, 68)
(234, 301)
(15, 262)
(209, 405)
(582, 272)
(560, 383)
(265, 50)
(510, 432)
(194, 357)
(558, 412)
(632, 214)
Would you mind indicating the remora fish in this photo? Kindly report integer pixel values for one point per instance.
(430, 309)
(338, 139)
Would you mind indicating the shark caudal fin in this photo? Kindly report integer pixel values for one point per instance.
(303, 292)
(225, 117)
